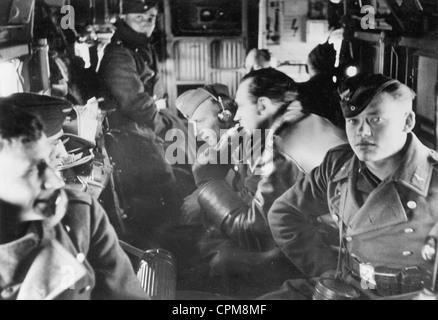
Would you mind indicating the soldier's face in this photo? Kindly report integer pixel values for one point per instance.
(143, 22)
(380, 131)
(207, 123)
(248, 113)
(59, 153)
(27, 182)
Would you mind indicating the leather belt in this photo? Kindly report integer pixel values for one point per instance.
(385, 281)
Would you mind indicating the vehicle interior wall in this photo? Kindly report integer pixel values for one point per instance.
(191, 58)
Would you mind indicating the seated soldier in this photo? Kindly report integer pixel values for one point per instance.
(212, 111)
(129, 77)
(320, 94)
(292, 143)
(52, 112)
(150, 189)
(381, 190)
(54, 244)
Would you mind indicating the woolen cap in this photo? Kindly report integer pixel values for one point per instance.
(189, 101)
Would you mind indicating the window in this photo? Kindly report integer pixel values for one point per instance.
(10, 81)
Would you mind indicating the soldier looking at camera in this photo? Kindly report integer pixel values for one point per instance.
(382, 191)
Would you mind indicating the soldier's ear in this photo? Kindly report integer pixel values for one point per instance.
(261, 104)
(410, 122)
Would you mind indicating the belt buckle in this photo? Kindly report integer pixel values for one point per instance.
(367, 274)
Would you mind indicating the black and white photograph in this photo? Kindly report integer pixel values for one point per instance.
(232, 151)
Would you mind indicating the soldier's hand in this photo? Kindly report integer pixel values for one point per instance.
(161, 104)
(191, 210)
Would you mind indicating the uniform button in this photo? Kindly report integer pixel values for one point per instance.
(236, 168)
(336, 218)
(412, 205)
(80, 258)
(409, 230)
(84, 290)
(407, 253)
(428, 252)
(353, 108)
(68, 229)
(349, 239)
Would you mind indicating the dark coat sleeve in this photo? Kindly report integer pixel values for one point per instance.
(294, 226)
(115, 278)
(121, 81)
(248, 225)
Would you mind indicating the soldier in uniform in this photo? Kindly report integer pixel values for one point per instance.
(151, 191)
(291, 143)
(320, 92)
(52, 112)
(211, 110)
(382, 191)
(129, 75)
(54, 244)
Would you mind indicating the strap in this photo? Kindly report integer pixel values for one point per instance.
(343, 202)
(132, 250)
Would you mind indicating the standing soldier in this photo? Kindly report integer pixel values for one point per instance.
(381, 190)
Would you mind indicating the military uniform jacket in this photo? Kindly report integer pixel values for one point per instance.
(128, 78)
(75, 256)
(297, 143)
(388, 230)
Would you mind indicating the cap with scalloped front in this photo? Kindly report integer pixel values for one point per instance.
(361, 91)
(51, 111)
(138, 6)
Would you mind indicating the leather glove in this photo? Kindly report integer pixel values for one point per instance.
(208, 167)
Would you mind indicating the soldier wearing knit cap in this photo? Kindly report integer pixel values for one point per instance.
(210, 109)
